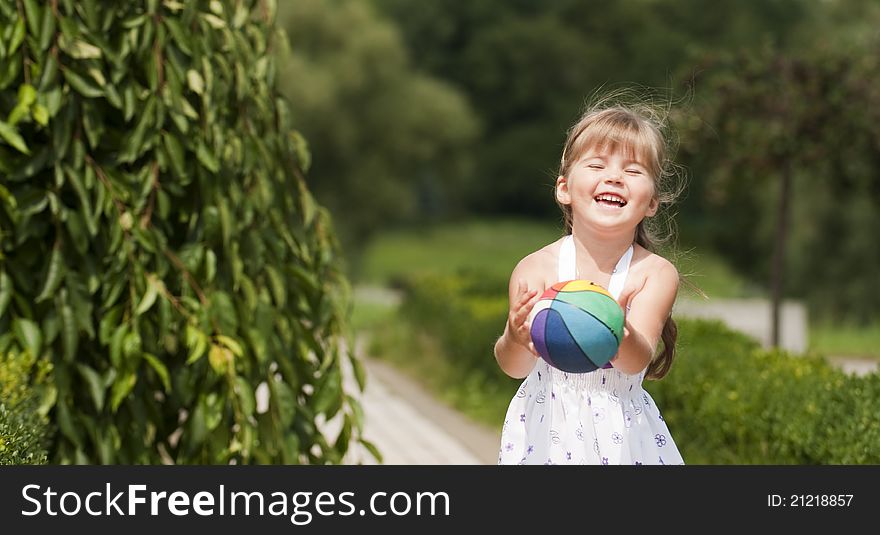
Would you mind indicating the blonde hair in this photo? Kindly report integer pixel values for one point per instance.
(617, 122)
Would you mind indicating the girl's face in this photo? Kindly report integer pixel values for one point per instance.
(608, 190)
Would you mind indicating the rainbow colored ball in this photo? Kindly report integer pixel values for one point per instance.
(577, 326)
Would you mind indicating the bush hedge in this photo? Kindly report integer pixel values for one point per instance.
(727, 400)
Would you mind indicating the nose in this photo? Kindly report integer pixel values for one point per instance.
(614, 176)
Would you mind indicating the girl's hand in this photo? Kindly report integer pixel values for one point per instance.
(518, 324)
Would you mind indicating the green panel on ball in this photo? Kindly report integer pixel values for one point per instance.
(602, 307)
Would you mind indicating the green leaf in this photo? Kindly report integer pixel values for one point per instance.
(245, 395)
(161, 370)
(65, 423)
(53, 275)
(149, 296)
(132, 345)
(49, 74)
(210, 266)
(108, 324)
(179, 35)
(175, 153)
(327, 392)
(96, 384)
(27, 95)
(284, 400)
(214, 21)
(220, 358)
(81, 85)
(226, 223)
(69, 330)
(276, 283)
(76, 229)
(34, 15)
(374, 451)
(204, 155)
(230, 343)
(17, 36)
(113, 96)
(359, 371)
(195, 81)
(134, 22)
(82, 194)
(11, 136)
(5, 291)
(28, 334)
(41, 115)
(122, 387)
(196, 342)
(116, 345)
(78, 48)
(133, 145)
(47, 28)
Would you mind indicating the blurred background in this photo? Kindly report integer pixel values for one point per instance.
(435, 127)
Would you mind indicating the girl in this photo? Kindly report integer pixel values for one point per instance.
(611, 180)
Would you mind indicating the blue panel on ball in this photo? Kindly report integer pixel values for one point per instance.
(565, 352)
(593, 337)
(539, 328)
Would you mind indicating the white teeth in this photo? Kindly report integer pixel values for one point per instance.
(611, 198)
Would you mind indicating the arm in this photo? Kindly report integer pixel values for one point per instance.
(650, 306)
(514, 350)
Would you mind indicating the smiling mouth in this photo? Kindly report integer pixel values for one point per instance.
(610, 200)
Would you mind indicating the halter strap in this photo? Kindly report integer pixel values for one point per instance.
(567, 266)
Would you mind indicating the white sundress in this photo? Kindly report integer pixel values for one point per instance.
(600, 417)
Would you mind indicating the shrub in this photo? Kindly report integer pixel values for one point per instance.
(24, 428)
(729, 401)
(158, 242)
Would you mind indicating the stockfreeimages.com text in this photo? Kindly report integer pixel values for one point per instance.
(299, 506)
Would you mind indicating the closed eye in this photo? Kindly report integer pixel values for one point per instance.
(634, 171)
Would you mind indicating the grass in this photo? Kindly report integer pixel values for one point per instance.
(492, 247)
(846, 340)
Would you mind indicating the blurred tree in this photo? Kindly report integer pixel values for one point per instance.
(528, 67)
(786, 145)
(388, 144)
(157, 240)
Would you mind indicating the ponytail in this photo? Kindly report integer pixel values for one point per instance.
(661, 363)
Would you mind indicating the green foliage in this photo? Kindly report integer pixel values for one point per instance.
(727, 401)
(389, 143)
(25, 395)
(813, 114)
(157, 240)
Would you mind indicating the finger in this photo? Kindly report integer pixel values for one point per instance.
(532, 349)
(525, 296)
(522, 309)
(520, 316)
(535, 298)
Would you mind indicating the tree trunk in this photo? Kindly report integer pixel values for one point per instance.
(778, 275)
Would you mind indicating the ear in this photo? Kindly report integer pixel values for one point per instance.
(562, 193)
(653, 206)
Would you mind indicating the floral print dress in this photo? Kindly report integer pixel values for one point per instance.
(600, 417)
